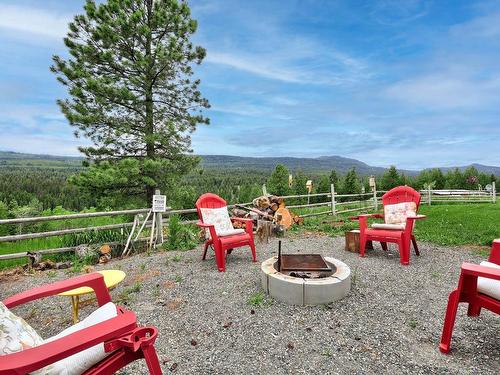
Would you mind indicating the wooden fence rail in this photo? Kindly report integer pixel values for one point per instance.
(366, 201)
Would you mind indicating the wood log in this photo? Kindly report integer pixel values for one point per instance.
(105, 249)
(238, 212)
(262, 202)
(239, 225)
(283, 217)
(256, 211)
(274, 206)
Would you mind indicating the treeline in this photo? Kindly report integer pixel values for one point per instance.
(470, 179)
(36, 191)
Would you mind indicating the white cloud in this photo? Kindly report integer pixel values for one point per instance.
(34, 21)
(446, 91)
(252, 65)
(484, 27)
(41, 144)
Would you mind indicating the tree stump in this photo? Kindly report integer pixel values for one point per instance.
(264, 230)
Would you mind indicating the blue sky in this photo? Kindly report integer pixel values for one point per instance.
(411, 83)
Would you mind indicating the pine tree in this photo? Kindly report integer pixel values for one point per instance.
(131, 92)
(351, 183)
(278, 182)
(334, 178)
(390, 178)
(299, 183)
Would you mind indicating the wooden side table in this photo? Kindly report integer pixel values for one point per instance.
(352, 241)
(111, 279)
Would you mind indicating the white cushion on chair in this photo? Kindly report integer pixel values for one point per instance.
(15, 334)
(389, 226)
(219, 218)
(398, 212)
(82, 361)
(231, 232)
(487, 286)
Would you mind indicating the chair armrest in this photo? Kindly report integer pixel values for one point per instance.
(210, 227)
(248, 222)
(43, 355)
(377, 216)
(363, 220)
(203, 225)
(93, 280)
(416, 217)
(480, 271)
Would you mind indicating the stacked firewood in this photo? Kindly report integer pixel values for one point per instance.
(270, 208)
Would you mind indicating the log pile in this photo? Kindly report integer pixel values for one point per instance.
(270, 208)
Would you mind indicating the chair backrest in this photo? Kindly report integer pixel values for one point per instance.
(495, 252)
(209, 200)
(401, 194)
(397, 204)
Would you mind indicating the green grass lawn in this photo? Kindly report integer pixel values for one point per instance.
(446, 224)
(460, 224)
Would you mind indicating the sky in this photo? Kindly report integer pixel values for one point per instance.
(409, 83)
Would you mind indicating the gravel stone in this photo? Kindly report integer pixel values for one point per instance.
(390, 322)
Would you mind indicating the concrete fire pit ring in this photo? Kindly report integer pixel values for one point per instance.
(302, 291)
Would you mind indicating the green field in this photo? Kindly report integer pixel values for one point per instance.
(446, 224)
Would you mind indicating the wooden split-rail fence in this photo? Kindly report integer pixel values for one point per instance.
(334, 204)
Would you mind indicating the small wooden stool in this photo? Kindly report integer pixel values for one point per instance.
(352, 241)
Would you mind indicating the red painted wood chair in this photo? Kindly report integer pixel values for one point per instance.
(220, 234)
(400, 212)
(479, 286)
(121, 337)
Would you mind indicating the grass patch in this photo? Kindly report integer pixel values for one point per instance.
(127, 294)
(413, 323)
(177, 258)
(259, 299)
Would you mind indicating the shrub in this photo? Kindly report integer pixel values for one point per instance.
(180, 236)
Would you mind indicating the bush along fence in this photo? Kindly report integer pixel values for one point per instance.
(153, 221)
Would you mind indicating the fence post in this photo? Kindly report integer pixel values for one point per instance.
(332, 192)
(494, 191)
(264, 189)
(429, 195)
(159, 223)
(375, 200)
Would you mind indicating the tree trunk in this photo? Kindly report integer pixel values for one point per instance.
(149, 125)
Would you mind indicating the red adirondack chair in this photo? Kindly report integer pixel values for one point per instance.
(220, 234)
(400, 212)
(479, 286)
(124, 341)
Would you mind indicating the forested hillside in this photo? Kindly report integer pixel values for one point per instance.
(30, 184)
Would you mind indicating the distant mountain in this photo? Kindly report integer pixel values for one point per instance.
(320, 164)
(21, 160)
(323, 163)
(488, 169)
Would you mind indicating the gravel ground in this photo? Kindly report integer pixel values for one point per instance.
(390, 323)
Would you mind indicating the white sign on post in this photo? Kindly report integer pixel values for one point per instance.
(159, 203)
